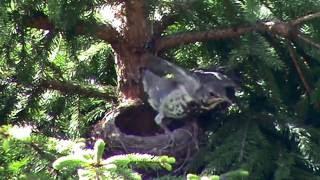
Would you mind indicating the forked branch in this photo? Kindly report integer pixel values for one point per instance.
(286, 30)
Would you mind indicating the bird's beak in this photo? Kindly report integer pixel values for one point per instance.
(213, 102)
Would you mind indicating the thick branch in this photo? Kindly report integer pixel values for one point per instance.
(284, 29)
(104, 32)
(69, 88)
(190, 37)
(303, 19)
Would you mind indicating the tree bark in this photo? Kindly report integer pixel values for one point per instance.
(128, 54)
(128, 66)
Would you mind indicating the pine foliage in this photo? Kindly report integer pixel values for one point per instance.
(90, 164)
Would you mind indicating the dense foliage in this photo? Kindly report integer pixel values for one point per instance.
(60, 83)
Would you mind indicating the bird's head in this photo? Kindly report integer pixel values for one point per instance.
(209, 98)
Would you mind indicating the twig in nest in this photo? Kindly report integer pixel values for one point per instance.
(184, 161)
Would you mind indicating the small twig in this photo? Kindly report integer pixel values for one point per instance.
(184, 161)
(293, 55)
(296, 65)
(303, 19)
(295, 62)
(308, 40)
(244, 139)
(124, 147)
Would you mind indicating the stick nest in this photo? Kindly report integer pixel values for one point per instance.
(133, 130)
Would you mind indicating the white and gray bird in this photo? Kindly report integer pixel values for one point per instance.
(175, 92)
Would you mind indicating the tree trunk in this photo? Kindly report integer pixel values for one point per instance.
(136, 34)
(128, 63)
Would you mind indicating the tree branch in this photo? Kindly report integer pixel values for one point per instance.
(284, 29)
(103, 31)
(303, 19)
(190, 37)
(69, 88)
(307, 40)
(296, 65)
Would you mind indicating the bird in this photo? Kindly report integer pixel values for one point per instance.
(217, 82)
(175, 93)
(169, 98)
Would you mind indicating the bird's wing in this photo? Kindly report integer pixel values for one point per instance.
(215, 79)
(164, 68)
(157, 87)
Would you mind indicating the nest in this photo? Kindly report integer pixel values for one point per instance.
(133, 130)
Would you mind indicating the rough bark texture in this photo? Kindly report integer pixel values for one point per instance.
(128, 65)
(186, 38)
(128, 62)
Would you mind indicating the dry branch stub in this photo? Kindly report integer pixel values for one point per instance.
(133, 130)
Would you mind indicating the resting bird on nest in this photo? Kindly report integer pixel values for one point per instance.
(175, 93)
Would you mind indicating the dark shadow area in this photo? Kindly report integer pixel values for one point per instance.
(138, 121)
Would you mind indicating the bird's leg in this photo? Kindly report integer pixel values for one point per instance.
(158, 120)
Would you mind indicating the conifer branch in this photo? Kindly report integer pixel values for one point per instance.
(69, 88)
(283, 29)
(308, 40)
(104, 31)
(243, 142)
(303, 19)
(296, 65)
(190, 37)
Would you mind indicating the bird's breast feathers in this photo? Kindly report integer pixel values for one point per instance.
(175, 105)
